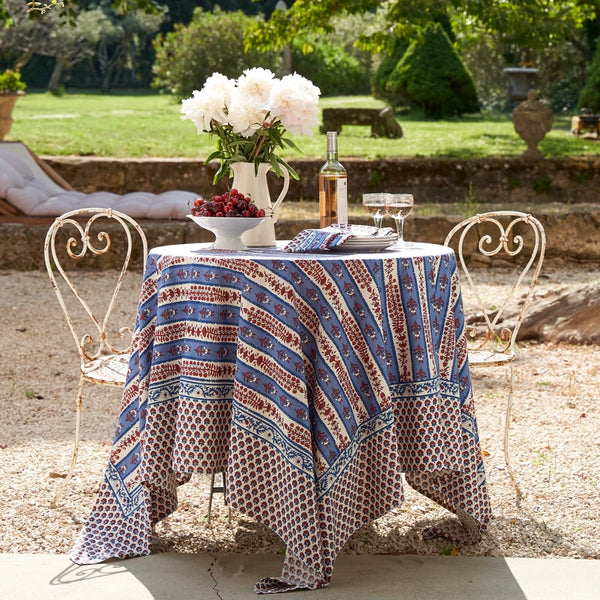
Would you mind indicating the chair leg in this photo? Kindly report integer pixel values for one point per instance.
(78, 408)
(222, 489)
(506, 429)
(210, 496)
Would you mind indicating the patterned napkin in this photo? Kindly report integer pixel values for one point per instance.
(311, 240)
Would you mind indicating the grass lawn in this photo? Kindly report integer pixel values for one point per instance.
(146, 124)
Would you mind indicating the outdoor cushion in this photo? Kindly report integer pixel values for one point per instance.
(9, 177)
(139, 205)
(25, 185)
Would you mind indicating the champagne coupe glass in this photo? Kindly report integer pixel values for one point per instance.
(374, 204)
(399, 206)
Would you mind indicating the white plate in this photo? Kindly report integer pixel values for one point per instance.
(366, 243)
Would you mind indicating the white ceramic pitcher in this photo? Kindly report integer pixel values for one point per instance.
(254, 185)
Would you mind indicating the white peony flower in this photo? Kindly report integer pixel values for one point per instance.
(220, 84)
(256, 85)
(246, 114)
(202, 108)
(210, 103)
(294, 100)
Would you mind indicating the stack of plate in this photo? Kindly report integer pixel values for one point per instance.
(365, 243)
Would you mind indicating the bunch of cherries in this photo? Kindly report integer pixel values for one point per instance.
(229, 204)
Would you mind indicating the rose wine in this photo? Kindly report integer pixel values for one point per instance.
(399, 210)
(373, 209)
(333, 186)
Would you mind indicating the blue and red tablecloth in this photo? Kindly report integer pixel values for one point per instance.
(315, 380)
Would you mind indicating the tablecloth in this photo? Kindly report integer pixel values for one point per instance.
(315, 380)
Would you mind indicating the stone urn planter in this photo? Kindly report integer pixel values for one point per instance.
(7, 103)
(532, 120)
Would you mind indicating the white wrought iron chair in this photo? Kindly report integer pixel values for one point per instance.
(518, 239)
(81, 234)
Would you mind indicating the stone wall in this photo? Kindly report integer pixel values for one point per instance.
(491, 180)
(572, 229)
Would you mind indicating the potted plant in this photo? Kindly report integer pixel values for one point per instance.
(11, 87)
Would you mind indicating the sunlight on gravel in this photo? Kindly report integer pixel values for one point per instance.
(555, 439)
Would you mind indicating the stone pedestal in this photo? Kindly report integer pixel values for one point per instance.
(519, 80)
(532, 120)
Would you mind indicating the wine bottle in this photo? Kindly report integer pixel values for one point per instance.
(333, 186)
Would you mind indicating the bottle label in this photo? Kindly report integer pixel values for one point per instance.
(342, 200)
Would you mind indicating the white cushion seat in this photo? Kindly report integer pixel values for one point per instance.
(24, 185)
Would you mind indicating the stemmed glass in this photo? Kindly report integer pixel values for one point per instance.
(374, 204)
(399, 206)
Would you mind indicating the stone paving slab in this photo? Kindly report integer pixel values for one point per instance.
(232, 576)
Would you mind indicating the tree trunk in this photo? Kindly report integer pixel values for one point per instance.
(53, 84)
(108, 63)
(23, 59)
(106, 81)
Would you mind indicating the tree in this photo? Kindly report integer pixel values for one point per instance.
(335, 64)
(68, 44)
(108, 40)
(531, 23)
(590, 95)
(122, 39)
(69, 7)
(72, 44)
(490, 35)
(181, 9)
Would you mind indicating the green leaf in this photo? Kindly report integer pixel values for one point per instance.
(213, 156)
(290, 143)
(221, 172)
(275, 166)
(291, 170)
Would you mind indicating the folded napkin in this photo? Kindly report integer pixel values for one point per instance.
(311, 240)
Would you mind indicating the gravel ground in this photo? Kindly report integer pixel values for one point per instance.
(555, 438)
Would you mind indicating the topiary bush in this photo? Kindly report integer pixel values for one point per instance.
(383, 72)
(432, 76)
(590, 95)
(212, 42)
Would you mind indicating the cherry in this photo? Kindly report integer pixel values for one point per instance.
(229, 204)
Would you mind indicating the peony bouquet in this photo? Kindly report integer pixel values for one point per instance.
(251, 115)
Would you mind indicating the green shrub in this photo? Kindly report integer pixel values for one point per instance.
(332, 68)
(212, 42)
(590, 95)
(432, 76)
(382, 74)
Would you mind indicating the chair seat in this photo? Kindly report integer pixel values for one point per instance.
(110, 370)
(489, 357)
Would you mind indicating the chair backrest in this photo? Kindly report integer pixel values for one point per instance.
(83, 234)
(516, 240)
